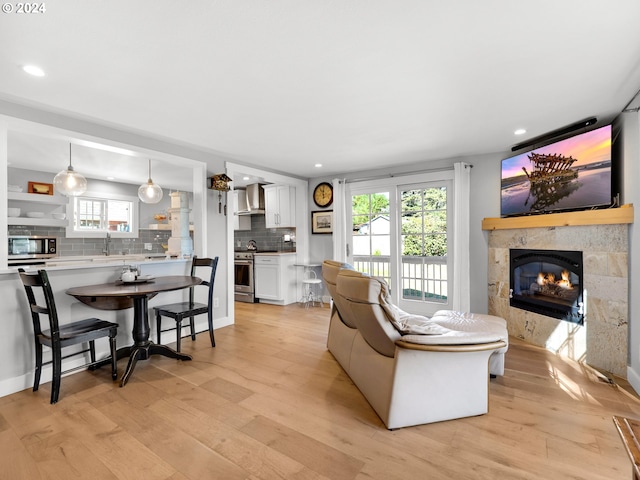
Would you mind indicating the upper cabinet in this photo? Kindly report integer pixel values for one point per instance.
(280, 206)
(37, 210)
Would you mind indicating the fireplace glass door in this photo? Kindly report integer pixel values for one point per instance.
(548, 282)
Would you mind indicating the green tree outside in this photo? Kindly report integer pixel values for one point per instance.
(424, 219)
(424, 222)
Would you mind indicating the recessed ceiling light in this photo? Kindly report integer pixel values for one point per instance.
(246, 178)
(33, 70)
(520, 131)
(318, 165)
(111, 178)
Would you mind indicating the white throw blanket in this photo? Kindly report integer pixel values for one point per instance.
(422, 330)
(408, 323)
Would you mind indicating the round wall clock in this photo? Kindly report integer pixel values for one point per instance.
(323, 194)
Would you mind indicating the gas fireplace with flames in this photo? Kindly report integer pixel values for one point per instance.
(548, 282)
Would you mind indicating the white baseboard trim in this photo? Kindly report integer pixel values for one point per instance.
(633, 378)
(22, 382)
(17, 384)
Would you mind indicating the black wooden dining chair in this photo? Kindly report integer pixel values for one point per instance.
(188, 310)
(57, 336)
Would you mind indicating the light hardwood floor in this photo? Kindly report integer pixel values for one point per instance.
(270, 402)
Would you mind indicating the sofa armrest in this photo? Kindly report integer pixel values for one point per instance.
(475, 347)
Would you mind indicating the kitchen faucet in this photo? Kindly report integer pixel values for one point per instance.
(107, 244)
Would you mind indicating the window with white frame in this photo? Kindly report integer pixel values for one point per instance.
(95, 215)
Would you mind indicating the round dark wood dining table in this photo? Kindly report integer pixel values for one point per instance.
(118, 296)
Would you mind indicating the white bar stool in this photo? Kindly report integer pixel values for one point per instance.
(311, 291)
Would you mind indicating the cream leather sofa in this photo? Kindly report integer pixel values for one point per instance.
(412, 370)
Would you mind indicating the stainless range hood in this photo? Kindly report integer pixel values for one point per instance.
(254, 200)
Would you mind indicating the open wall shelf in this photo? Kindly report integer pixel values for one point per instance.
(28, 200)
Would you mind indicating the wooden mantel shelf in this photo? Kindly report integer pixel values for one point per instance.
(608, 216)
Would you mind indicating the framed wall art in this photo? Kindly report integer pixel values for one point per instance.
(40, 188)
(322, 221)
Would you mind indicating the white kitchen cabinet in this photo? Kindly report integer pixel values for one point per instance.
(46, 204)
(280, 206)
(240, 222)
(275, 278)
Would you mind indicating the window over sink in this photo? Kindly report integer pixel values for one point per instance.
(96, 214)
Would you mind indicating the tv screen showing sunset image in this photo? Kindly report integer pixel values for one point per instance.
(570, 174)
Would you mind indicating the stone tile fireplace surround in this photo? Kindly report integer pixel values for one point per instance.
(602, 341)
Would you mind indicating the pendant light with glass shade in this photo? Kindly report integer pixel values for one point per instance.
(150, 192)
(69, 182)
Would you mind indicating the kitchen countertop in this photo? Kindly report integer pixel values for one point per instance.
(265, 252)
(275, 253)
(71, 262)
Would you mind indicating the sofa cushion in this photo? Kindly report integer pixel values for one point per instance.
(361, 296)
(472, 322)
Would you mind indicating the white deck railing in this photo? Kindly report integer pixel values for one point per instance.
(423, 278)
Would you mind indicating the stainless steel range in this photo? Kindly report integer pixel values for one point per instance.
(244, 280)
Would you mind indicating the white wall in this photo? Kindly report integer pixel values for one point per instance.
(631, 176)
(484, 202)
(320, 245)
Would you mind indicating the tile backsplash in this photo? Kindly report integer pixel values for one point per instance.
(95, 246)
(266, 238)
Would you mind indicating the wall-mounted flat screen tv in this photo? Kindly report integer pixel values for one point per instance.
(571, 174)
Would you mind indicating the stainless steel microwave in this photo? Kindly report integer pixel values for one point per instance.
(26, 247)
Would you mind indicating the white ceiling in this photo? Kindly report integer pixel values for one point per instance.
(352, 84)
